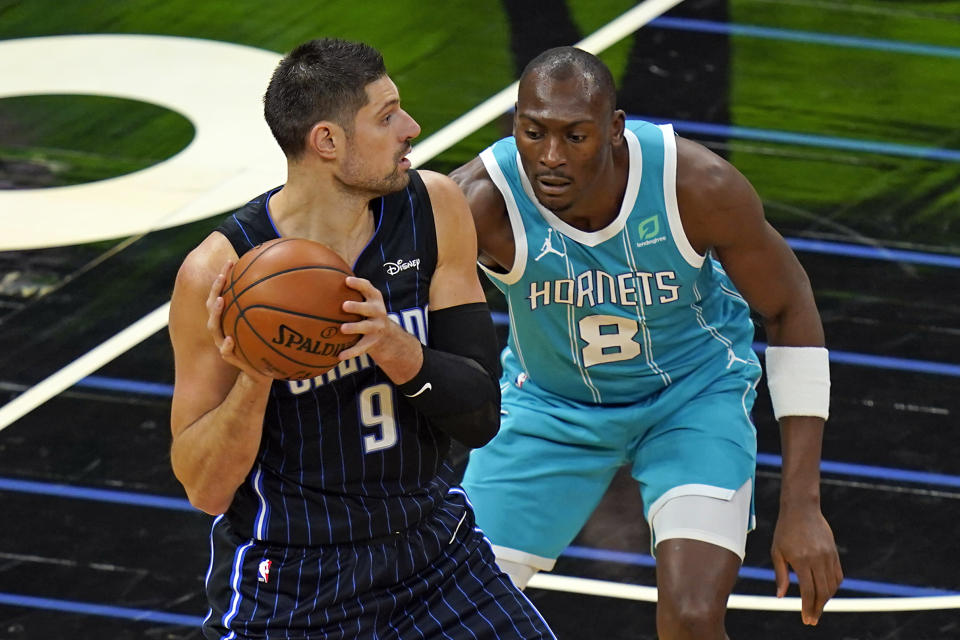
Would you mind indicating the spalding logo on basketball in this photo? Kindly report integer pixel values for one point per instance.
(283, 307)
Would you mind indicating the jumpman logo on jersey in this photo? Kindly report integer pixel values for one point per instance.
(548, 247)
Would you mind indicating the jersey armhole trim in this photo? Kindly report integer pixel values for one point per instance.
(516, 222)
(686, 250)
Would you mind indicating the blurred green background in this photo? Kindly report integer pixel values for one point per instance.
(447, 57)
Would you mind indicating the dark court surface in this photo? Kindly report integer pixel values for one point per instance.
(97, 539)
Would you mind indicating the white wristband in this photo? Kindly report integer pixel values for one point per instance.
(799, 381)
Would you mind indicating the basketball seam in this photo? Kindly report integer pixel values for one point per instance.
(236, 296)
(298, 314)
(234, 276)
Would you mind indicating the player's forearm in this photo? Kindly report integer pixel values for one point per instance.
(212, 456)
(457, 396)
(801, 443)
(457, 387)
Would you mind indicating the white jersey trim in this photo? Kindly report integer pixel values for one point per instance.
(516, 222)
(593, 238)
(522, 557)
(689, 254)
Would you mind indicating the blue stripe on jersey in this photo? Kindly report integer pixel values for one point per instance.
(414, 227)
(266, 206)
(376, 231)
(263, 512)
(284, 509)
(242, 230)
(616, 314)
(206, 579)
(235, 587)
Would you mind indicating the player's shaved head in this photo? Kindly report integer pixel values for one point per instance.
(569, 63)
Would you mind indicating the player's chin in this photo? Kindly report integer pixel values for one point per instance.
(556, 204)
(399, 179)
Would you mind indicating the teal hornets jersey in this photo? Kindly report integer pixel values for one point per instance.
(618, 314)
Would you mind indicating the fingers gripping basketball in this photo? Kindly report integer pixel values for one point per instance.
(283, 307)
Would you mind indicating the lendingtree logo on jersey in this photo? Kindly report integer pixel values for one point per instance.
(648, 231)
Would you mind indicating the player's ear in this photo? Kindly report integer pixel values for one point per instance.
(617, 126)
(515, 112)
(324, 139)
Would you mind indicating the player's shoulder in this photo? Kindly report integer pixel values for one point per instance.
(437, 183)
(205, 261)
(715, 200)
(702, 171)
(483, 196)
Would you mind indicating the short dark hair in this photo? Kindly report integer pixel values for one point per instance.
(563, 63)
(323, 79)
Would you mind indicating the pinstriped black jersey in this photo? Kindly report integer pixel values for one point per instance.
(344, 456)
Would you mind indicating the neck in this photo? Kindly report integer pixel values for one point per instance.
(312, 207)
(600, 205)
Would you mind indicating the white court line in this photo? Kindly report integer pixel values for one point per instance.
(602, 38)
(84, 365)
(422, 152)
(642, 593)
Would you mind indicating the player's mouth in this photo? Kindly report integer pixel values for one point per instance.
(403, 162)
(553, 185)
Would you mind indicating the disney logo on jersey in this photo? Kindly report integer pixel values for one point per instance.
(393, 268)
(648, 231)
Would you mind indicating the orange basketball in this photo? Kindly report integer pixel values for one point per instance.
(283, 307)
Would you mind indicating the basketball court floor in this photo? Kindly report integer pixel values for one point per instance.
(859, 171)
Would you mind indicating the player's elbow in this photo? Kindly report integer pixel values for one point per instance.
(207, 497)
(476, 427)
(208, 502)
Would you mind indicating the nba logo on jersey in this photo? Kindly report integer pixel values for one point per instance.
(264, 570)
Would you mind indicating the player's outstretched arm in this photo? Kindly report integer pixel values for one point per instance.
(721, 211)
(217, 412)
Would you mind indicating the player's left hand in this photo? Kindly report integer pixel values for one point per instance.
(804, 540)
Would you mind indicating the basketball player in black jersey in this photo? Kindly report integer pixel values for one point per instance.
(336, 517)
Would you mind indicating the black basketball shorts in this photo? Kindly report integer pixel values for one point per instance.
(437, 580)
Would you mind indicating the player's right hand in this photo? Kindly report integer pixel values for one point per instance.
(225, 344)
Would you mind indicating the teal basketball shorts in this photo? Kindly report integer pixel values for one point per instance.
(534, 486)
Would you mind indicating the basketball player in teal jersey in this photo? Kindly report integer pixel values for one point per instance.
(630, 259)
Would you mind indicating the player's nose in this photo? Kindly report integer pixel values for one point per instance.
(551, 154)
(411, 128)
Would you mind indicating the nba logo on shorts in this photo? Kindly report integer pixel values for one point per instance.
(264, 571)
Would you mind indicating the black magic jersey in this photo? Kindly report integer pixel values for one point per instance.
(345, 457)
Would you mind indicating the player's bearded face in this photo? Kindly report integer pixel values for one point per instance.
(375, 160)
(376, 175)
